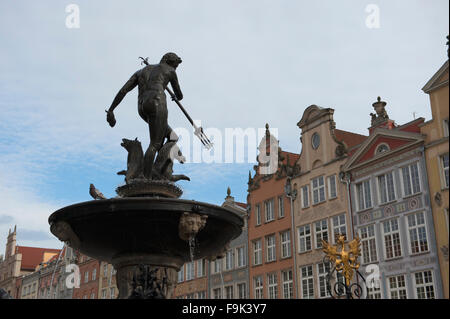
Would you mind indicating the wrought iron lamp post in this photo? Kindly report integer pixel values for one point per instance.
(344, 262)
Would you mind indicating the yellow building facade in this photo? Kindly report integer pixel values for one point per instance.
(437, 160)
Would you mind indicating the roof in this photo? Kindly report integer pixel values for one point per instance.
(55, 257)
(243, 205)
(33, 256)
(349, 138)
(293, 157)
(436, 82)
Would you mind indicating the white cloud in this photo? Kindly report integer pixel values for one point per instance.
(29, 213)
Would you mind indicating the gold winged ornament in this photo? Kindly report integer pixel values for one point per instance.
(345, 260)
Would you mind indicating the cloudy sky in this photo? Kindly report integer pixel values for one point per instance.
(245, 63)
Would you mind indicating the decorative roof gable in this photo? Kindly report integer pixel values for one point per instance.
(438, 80)
(381, 143)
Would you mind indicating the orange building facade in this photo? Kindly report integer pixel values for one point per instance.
(270, 237)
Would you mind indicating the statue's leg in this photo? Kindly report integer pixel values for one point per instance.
(158, 130)
(156, 141)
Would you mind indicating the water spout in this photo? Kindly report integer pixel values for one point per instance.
(192, 244)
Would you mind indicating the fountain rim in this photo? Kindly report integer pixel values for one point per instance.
(171, 205)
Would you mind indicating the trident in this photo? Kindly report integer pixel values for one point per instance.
(198, 131)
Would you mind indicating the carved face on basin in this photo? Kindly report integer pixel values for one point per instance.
(190, 224)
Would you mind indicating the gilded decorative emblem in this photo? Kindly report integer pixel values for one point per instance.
(345, 260)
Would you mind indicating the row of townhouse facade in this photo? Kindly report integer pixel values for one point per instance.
(45, 273)
(74, 275)
(389, 188)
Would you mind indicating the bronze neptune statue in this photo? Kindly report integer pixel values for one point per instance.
(152, 80)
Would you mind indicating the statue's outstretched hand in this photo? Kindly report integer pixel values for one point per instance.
(110, 118)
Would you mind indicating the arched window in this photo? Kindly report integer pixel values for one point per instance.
(382, 148)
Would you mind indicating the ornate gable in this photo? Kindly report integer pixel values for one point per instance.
(381, 143)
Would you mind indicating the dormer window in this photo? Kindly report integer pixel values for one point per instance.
(382, 148)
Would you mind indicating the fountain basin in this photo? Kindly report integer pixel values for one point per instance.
(143, 228)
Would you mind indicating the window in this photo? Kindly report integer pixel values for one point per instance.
(229, 292)
(271, 248)
(258, 215)
(444, 161)
(281, 206)
(105, 270)
(323, 269)
(190, 296)
(217, 266)
(321, 231)
(86, 276)
(332, 192)
(307, 281)
(285, 239)
(181, 274)
(190, 272)
(240, 260)
(201, 295)
(339, 226)
(201, 267)
(382, 148)
(113, 271)
(391, 234)
(397, 287)
(258, 284)
(242, 290)
(363, 195)
(304, 238)
(424, 285)
(92, 296)
(386, 187)
(217, 293)
(369, 248)
(288, 291)
(272, 286)
(103, 293)
(257, 252)
(446, 217)
(94, 274)
(305, 196)
(411, 183)
(374, 292)
(417, 233)
(268, 207)
(229, 260)
(446, 128)
(318, 190)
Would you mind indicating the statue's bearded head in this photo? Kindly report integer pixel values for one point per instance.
(171, 59)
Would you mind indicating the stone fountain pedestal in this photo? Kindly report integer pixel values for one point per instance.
(147, 233)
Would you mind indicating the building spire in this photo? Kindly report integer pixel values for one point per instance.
(229, 198)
